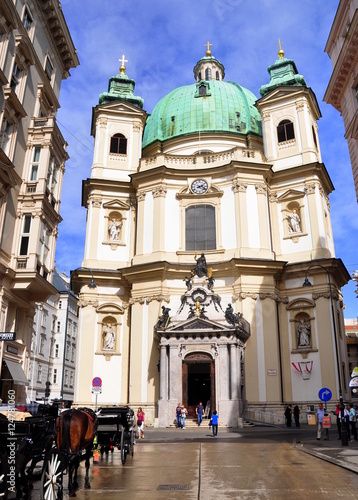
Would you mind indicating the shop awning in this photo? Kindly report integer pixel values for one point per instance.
(16, 372)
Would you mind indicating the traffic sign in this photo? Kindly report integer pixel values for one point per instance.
(97, 382)
(96, 390)
(325, 394)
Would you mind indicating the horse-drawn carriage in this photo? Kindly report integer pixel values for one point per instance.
(115, 429)
(24, 445)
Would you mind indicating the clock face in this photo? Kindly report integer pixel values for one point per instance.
(200, 186)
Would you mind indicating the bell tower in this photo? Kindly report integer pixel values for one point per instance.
(289, 112)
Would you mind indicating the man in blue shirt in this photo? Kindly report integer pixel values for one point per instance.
(200, 412)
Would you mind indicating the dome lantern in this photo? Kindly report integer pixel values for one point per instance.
(209, 68)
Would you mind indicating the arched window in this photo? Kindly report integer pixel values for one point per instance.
(208, 74)
(285, 131)
(118, 144)
(202, 89)
(200, 228)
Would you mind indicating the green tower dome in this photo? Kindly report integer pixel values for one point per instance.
(209, 105)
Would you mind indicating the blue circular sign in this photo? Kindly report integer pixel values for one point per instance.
(325, 394)
(97, 382)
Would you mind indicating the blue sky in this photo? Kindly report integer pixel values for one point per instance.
(162, 41)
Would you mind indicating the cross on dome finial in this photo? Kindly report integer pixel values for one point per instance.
(122, 68)
(281, 52)
(208, 51)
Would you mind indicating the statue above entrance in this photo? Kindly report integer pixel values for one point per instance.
(201, 268)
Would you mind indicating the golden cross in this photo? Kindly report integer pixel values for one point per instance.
(123, 60)
(281, 52)
(208, 45)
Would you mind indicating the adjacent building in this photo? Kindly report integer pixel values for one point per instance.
(204, 220)
(36, 54)
(53, 345)
(351, 328)
(342, 90)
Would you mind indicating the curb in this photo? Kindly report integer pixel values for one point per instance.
(326, 458)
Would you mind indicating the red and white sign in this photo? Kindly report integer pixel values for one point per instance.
(97, 382)
(353, 382)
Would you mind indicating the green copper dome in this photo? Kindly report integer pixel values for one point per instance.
(206, 106)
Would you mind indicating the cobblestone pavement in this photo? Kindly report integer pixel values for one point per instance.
(250, 463)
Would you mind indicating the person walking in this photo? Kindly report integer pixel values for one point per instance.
(140, 423)
(338, 419)
(353, 420)
(199, 412)
(215, 423)
(296, 414)
(320, 415)
(288, 415)
(184, 413)
(178, 415)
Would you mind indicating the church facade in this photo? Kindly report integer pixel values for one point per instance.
(204, 219)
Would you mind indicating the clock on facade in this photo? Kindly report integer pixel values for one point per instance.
(199, 186)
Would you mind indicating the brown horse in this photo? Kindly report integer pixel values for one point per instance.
(75, 432)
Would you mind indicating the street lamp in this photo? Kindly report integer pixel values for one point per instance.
(344, 434)
(91, 284)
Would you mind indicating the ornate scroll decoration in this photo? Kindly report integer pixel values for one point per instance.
(96, 200)
(310, 188)
(159, 191)
(273, 296)
(141, 195)
(85, 303)
(182, 348)
(214, 347)
(147, 300)
(261, 188)
(325, 295)
(239, 186)
(252, 295)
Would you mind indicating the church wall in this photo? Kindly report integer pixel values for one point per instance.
(267, 310)
(228, 218)
(172, 222)
(252, 369)
(148, 224)
(85, 355)
(252, 217)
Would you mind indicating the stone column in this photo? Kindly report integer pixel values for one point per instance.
(223, 376)
(234, 370)
(163, 390)
(159, 194)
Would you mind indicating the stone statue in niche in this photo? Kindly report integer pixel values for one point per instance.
(303, 334)
(108, 337)
(114, 229)
(201, 267)
(294, 222)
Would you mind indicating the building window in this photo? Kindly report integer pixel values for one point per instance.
(35, 164)
(71, 379)
(52, 176)
(48, 68)
(44, 246)
(217, 75)
(314, 136)
(67, 354)
(25, 236)
(202, 89)
(56, 350)
(73, 354)
(15, 77)
(42, 346)
(66, 378)
(285, 131)
(200, 228)
(60, 304)
(6, 130)
(39, 373)
(51, 349)
(199, 76)
(55, 376)
(58, 326)
(27, 19)
(208, 74)
(118, 144)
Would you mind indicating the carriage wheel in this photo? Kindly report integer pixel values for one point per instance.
(3, 485)
(132, 442)
(52, 477)
(124, 449)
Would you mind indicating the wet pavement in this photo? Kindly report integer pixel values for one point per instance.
(259, 462)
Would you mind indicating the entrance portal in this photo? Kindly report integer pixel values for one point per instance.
(198, 382)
